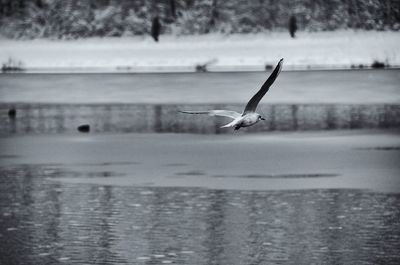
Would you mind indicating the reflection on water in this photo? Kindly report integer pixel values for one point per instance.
(123, 118)
(283, 176)
(47, 222)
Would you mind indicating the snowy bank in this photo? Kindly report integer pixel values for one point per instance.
(251, 52)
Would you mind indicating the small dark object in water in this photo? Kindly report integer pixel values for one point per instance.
(85, 128)
(202, 68)
(6, 69)
(12, 65)
(377, 65)
(12, 113)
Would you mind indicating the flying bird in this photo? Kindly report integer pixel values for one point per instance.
(249, 116)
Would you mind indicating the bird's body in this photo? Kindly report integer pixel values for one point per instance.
(249, 117)
(244, 121)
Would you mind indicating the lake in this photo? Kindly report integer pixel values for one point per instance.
(44, 222)
(355, 86)
(299, 100)
(117, 196)
(282, 198)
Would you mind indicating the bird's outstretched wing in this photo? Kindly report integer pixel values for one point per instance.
(224, 113)
(252, 104)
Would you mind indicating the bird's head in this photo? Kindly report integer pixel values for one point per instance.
(261, 118)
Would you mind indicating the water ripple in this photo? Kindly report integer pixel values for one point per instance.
(44, 222)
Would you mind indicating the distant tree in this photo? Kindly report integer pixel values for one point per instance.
(292, 26)
(39, 3)
(6, 7)
(155, 28)
(86, 18)
(214, 16)
(173, 8)
(22, 4)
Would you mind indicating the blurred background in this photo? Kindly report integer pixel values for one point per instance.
(108, 18)
(97, 166)
(198, 35)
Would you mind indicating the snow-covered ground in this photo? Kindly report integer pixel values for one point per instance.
(339, 49)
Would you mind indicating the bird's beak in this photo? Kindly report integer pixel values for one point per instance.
(262, 119)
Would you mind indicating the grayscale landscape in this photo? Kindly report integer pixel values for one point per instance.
(102, 162)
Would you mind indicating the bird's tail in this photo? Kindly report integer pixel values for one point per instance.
(231, 124)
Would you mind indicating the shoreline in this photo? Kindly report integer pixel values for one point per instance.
(343, 49)
(183, 70)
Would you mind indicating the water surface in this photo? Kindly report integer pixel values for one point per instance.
(355, 86)
(44, 221)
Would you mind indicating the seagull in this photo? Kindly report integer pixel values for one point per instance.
(249, 116)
